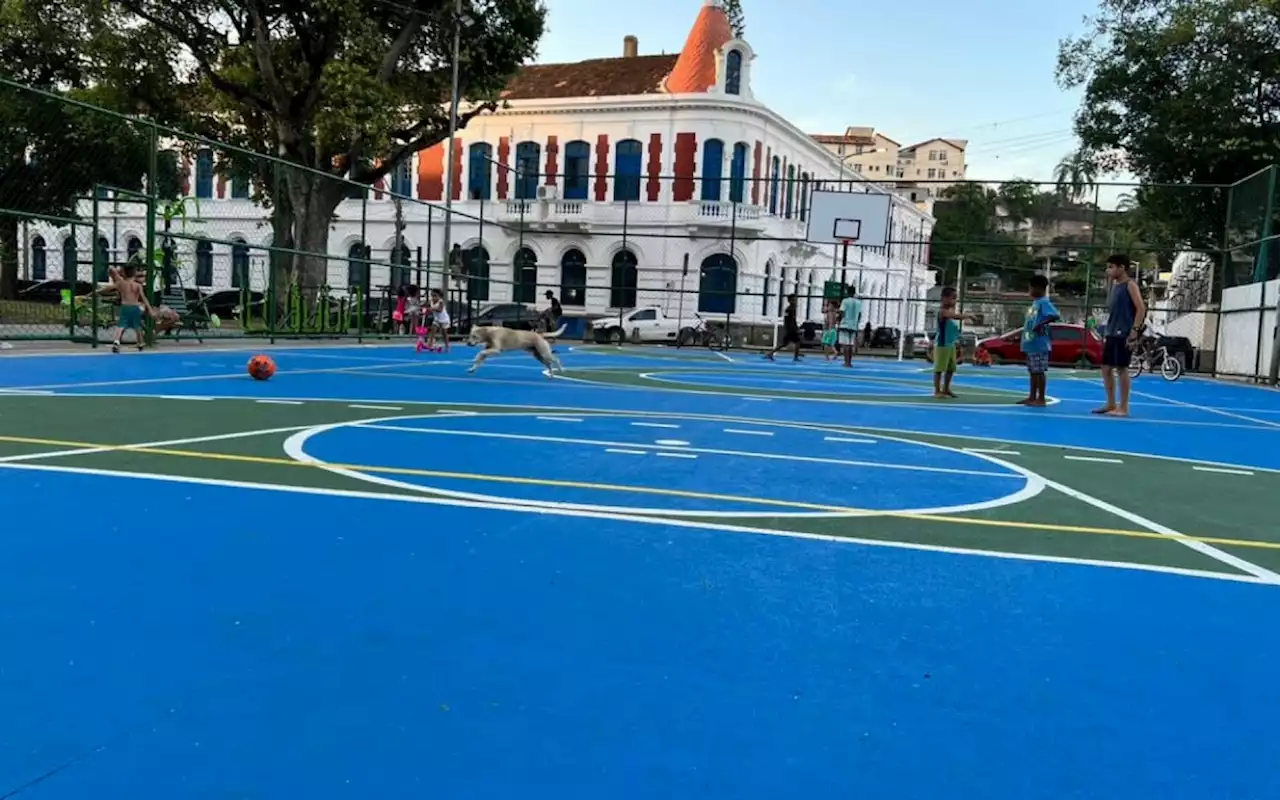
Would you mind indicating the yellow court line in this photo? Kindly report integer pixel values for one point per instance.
(425, 473)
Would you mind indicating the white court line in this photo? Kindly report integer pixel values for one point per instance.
(376, 408)
(626, 452)
(741, 432)
(661, 454)
(182, 397)
(813, 426)
(521, 437)
(1095, 460)
(725, 357)
(994, 452)
(560, 419)
(1222, 471)
(279, 402)
(419, 499)
(654, 425)
(455, 413)
(1262, 573)
(84, 451)
(1207, 409)
(755, 399)
(846, 440)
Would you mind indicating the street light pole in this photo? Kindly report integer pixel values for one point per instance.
(453, 131)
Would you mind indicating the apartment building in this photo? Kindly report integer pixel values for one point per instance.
(932, 165)
(864, 152)
(923, 169)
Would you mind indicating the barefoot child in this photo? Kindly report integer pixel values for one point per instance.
(830, 319)
(1126, 316)
(439, 322)
(944, 350)
(1035, 340)
(133, 304)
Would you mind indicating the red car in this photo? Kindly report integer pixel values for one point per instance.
(1070, 345)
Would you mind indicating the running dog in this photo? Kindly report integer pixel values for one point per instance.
(498, 340)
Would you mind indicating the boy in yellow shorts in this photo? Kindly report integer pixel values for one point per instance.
(944, 347)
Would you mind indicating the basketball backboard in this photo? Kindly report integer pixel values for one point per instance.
(860, 218)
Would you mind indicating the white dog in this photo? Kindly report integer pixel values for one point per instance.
(498, 340)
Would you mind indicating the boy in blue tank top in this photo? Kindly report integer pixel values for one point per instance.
(944, 347)
(1035, 340)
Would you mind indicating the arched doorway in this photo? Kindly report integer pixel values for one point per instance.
(624, 277)
(476, 262)
(525, 265)
(573, 278)
(718, 284)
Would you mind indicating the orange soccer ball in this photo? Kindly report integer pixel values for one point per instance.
(261, 367)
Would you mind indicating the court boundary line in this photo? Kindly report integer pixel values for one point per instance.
(679, 523)
(1039, 527)
(294, 447)
(1206, 409)
(840, 427)
(88, 451)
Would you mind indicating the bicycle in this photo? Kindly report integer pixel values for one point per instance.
(702, 333)
(1149, 356)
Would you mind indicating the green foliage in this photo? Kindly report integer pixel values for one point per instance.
(1179, 91)
(737, 19)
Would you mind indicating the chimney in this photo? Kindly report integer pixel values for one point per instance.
(630, 47)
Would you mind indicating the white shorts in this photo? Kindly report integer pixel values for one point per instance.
(442, 319)
(846, 336)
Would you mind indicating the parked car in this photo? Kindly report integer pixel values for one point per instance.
(502, 315)
(648, 324)
(885, 337)
(917, 345)
(1069, 344)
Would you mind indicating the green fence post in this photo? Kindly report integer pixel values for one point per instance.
(93, 269)
(1264, 248)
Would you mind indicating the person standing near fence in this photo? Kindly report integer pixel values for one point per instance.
(790, 331)
(1126, 316)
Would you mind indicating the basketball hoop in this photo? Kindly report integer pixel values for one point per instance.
(846, 242)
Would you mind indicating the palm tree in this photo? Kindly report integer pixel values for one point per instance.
(1075, 175)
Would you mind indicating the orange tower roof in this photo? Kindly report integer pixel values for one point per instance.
(695, 70)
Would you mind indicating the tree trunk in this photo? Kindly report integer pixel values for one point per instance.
(313, 200)
(9, 249)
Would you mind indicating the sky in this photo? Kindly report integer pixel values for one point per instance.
(981, 70)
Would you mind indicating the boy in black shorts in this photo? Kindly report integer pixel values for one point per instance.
(790, 331)
(1127, 315)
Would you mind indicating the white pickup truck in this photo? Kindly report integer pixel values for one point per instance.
(648, 324)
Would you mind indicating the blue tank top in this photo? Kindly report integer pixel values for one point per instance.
(1121, 311)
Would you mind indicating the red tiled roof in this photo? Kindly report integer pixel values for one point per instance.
(599, 77)
(696, 69)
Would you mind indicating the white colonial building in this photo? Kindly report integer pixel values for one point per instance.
(599, 180)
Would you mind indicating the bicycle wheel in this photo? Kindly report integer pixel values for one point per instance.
(1171, 369)
(1136, 365)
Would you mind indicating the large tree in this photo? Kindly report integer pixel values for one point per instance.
(1179, 91)
(53, 151)
(340, 87)
(737, 19)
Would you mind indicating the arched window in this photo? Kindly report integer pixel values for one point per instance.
(357, 266)
(791, 190)
(623, 278)
(733, 73)
(402, 178)
(101, 259)
(70, 269)
(39, 259)
(476, 262)
(577, 161)
(133, 251)
(712, 168)
(718, 284)
(528, 169)
(768, 285)
(626, 176)
(240, 265)
(204, 173)
(400, 260)
(525, 265)
(774, 176)
(479, 171)
(573, 278)
(738, 173)
(204, 264)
